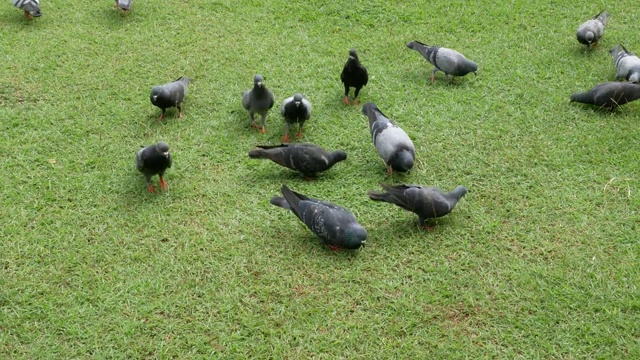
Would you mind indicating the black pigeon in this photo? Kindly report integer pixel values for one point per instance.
(426, 202)
(393, 144)
(154, 160)
(307, 159)
(449, 61)
(170, 95)
(295, 110)
(608, 95)
(333, 224)
(258, 100)
(353, 75)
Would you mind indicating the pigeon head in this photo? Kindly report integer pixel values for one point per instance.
(589, 36)
(339, 155)
(257, 81)
(353, 54)
(355, 236)
(402, 161)
(459, 191)
(471, 66)
(297, 99)
(163, 148)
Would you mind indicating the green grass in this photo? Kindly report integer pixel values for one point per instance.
(539, 260)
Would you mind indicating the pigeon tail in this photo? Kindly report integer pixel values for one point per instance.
(293, 200)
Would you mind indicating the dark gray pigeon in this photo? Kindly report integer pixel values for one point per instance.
(31, 8)
(449, 61)
(393, 145)
(333, 224)
(124, 5)
(354, 75)
(258, 100)
(592, 30)
(627, 64)
(170, 95)
(426, 202)
(295, 110)
(307, 159)
(608, 95)
(154, 160)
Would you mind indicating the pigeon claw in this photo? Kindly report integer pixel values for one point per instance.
(150, 188)
(27, 15)
(346, 100)
(299, 134)
(163, 184)
(255, 126)
(263, 130)
(427, 227)
(356, 102)
(285, 138)
(333, 247)
(389, 170)
(180, 116)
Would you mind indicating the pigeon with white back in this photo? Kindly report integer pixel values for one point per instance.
(426, 202)
(608, 95)
(31, 8)
(154, 160)
(170, 95)
(449, 61)
(124, 5)
(307, 159)
(353, 75)
(258, 100)
(627, 64)
(333, 224)
(295, 110)
(393, 144)
(590, 32)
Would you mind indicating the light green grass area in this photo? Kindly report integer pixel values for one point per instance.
(539, 260)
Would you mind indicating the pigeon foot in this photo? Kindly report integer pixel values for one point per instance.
(334, 247)
(255, 126)
(346, 100)
(285, 138)
(433, 78)
(427, 227)
(263, 130)
(27, 15)
(356, 102)
(180, 116)
(299, 134)
(161, 117)
(163, 184)
(389, 170)
(150, 188)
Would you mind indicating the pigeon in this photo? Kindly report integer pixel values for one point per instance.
(258, 100)
(124, 5)
(295, 109)
(449, 61)
(154, 160)
(307, 159)
(31, 7)
(627, 64)
(426, 202)
(393, 145)
(608, 95)
(333, 224)
(353, 75)
(592, 30)
(170, 95)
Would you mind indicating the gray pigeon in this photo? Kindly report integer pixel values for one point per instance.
(258, 100)
(307, 159)
(295, 109)
(592, 30)
(170, 95)
(449, 61)
(124, 5)
(333, 224)
(353, 75)
(627, 64)
(393, 145)
(608, 95)
(31, 8)
(426, 202)
(154, 160)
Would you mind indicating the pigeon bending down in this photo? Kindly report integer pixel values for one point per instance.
(592, 30)
(449, 61)
(608, 95)
(353, 75)
(426, 202)
(258, 100)
(295, 109)
(307, 159)
(627, 64)
(170, 95)
(333, 224)
(154, 160)
(124, 5)
(31, 8)
(393, 145)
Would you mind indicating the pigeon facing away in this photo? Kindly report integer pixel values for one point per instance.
(31, 8)
(592, 30)
(307, 159)
(393, 145)
(333, 224)
(124, 5)
(295, 109)
(258, 100)
(608, 95)
(353, 75)
(426, 202)
(154, 160)
(170, 95)
(627, 64)
(449, 61)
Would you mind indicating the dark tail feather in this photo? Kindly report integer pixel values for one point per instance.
(280, 201)
(293, 199)
(380, 196)
(258, 154)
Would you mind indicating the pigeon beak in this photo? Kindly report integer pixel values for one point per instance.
(165, 154)
(297, 103)
(259, 83)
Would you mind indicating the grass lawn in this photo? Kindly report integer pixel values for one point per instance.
(539, 260)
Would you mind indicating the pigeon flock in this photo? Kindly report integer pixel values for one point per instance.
(336, 226)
